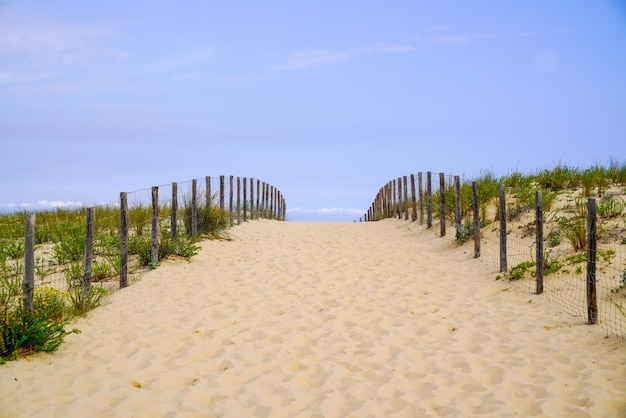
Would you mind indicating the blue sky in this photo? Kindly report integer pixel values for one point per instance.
(326, 100)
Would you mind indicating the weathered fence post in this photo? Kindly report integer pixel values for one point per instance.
(230, 204)
(539, 240)
(194, 207)
(475, 209)
(123, 240)
(502, 211)
(238, 200)
(222, 193)
(429, 200)
(457, 201)
(405, 203)
(155, 226)
(413, 200)
(258, 195)
(85, 288)
(252, 199)
(592, 304)
(421, 196)
(245, 199)
(174, 212)
(208, 199)
(442, 207)
(28, 284)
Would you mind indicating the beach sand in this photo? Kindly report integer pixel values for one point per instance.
(324, 320)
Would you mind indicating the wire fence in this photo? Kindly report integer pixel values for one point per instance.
(67, 252)
(567, 246)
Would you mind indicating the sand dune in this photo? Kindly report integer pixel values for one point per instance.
(324, 320)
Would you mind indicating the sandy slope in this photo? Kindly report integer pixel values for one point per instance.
(324, 319)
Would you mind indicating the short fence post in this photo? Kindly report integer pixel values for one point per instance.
(28, 284)
(174, 212)
(245, 199)
(502, 212)
(421, 197)
(476, 219)
(442, 207)
(413, 200)
(251, 198)
(123, 240)
(258, 196)
(207, 192)
(539, 240)
(429, 200)
(88, 261)
(394, 197)
(155, 226)
(194, 207)
(592, 304)
(230, 205)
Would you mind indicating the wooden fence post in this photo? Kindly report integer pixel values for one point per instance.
(502, 211)
(539, 240)
(405, 203)
(251, 198)
(230, 205)
(413, 200)
(194, 207)
(442, 207)
(123, 240)
(421, 196)
(238, 200)
(85, 288)
(475, 208)
(429, 200)
(592, 304)
(457, 201)
(174, 212)
(258, 195)
(222, 193)
(28, 284)
(207, 192)
(155, 226)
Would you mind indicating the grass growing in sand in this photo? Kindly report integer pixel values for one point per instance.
(60, 246)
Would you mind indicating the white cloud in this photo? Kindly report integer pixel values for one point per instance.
(315, 58)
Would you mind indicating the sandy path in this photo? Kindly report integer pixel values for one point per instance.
(324, 319)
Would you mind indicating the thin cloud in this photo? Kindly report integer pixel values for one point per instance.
(458, 39)
(316, 58)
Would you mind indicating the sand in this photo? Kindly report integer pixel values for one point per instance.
(324, 319)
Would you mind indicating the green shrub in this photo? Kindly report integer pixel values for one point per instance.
(610, 208)
(575, 231)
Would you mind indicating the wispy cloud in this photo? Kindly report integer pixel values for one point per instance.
(41, 205)
(458, 39)
(316, 58)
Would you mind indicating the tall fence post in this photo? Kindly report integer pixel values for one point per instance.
(245, 198)
(194, 207)
(592, 304)
(429, 200)
(230, 204)
(539, 240)
(252, 199)
(442, 207)
(85, 288)
(502, 214)
(174, 212)
(222, 193)
(475, 209)
(457, 201)
(123, 240)
(28, 284)
(405, 202)
(208, 199)
(413, 200)
(238, 200)
(421, 197)
(155, 226)
(258, 199)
